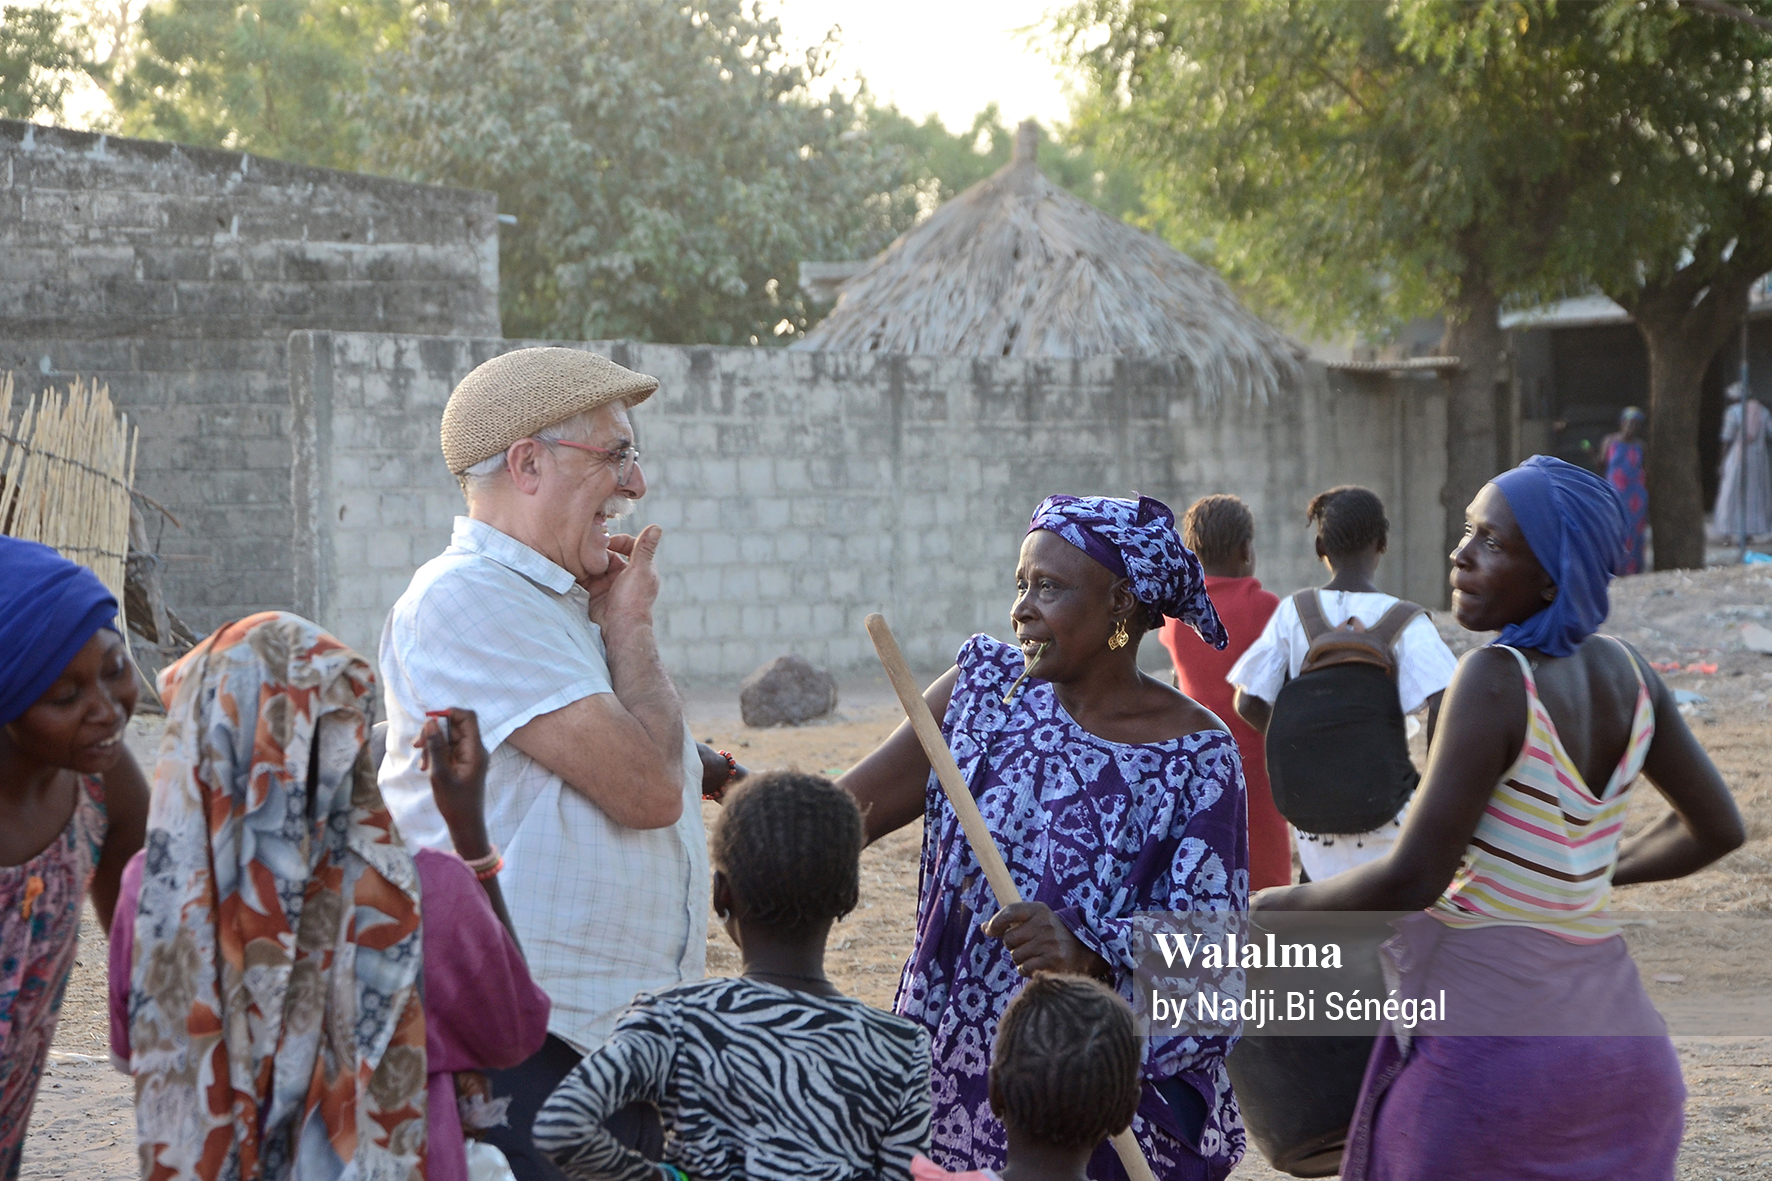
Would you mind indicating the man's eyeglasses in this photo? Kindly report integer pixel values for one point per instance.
(625, 456)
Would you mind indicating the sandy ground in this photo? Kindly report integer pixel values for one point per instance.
(83, 1127)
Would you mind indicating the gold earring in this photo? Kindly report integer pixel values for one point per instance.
(1119, 639)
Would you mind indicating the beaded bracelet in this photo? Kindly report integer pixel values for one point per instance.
(487, 866)
(731, 770)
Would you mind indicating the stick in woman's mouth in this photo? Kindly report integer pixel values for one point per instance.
(1027, 672)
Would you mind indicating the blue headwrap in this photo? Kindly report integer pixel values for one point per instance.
(1136, 539)
(49, 608)
(1574, 522)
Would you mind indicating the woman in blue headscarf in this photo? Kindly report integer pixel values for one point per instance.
(72, 802)
(1510, 854)
(1108, 792)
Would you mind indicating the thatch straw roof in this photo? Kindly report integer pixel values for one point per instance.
(1016, 266)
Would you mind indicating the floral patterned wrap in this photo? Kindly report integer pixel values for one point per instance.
(1102, 832)
(1136, 539)
(39, 919)
(275, 1024)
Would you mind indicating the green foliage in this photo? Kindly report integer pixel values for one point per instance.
(1688, 186)
(277, 77)
(1354, 163)
(667, 165)
(947, 163)
(37, 57)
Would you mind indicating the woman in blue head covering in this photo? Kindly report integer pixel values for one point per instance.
(1108, 792)
(72, 802)
(1510, 855)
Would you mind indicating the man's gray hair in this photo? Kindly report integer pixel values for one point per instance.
(579, 428)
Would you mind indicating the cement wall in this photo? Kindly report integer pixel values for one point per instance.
(800, 491)
(175, 275)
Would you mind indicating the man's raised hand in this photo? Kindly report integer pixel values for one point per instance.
(625, 592)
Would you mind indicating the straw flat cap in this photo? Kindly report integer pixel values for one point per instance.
(518, 393)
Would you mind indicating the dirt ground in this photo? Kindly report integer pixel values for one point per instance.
(83, 1126)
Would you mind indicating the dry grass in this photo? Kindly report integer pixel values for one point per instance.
(65, 475)
(1016, 266)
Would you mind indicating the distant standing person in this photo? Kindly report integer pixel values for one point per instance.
(1745, 429)
(1621, 462)
(1352, 534)
(1221, 530)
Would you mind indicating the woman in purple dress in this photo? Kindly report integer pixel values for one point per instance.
(1109, 793)
(1621, 462)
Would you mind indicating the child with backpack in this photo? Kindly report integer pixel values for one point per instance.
(1329, 683)
(774, 1073)
(1064, 1077)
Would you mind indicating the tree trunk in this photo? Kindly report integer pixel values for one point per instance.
(1683, 335)
(1474, 336)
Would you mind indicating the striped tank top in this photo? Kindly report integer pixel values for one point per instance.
(1543, 852)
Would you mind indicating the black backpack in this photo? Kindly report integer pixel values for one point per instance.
(1337, 750)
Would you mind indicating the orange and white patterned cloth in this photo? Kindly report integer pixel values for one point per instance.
(275, 1023)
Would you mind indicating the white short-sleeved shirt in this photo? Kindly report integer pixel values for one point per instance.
(604, 911)
(1424, 667)
(1424, 664)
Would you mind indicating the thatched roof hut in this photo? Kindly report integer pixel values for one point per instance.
(1016, 266)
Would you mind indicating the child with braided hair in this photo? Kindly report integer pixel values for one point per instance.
(1064, 1077)
(1352, 535)
(774, 1074)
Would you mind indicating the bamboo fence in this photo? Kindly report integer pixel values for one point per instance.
(66, 471)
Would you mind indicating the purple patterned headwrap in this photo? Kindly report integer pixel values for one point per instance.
(1136, 539)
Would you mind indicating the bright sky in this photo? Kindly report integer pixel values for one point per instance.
(949, 57)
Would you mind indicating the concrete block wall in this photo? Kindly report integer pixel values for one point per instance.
(800, 491)
(175, 275)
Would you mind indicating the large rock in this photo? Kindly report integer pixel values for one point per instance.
(786, 692)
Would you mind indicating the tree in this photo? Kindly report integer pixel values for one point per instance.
(1690, 229)
(667, 165)
(276, 77)
(37, 60)
(946, 163)
(1353, 164)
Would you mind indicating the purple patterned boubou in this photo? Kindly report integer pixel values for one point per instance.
(1099, 831)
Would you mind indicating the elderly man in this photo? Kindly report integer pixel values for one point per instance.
(540, 621)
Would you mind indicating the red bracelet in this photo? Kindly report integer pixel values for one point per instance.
(490, 871)
(731, 770)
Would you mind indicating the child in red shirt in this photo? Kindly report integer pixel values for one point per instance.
(1221, 530)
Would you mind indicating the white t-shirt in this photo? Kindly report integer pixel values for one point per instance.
(1424, 664)
(604, 911)
(1424, 667)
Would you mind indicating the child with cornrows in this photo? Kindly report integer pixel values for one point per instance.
(774, 1073)
(1064, 1077)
